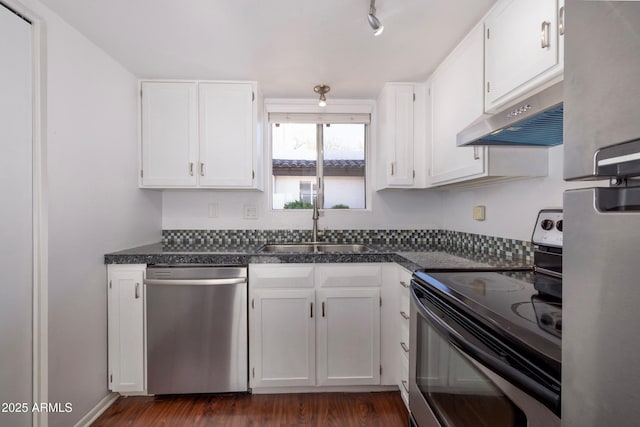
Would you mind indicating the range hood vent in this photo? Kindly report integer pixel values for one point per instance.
(536, 121)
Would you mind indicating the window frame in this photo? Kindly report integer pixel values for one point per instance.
(310, 106)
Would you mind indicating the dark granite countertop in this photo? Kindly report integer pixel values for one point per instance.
(411, 257)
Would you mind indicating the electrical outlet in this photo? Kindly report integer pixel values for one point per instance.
(250, 212)
(213, 210)
(479, 213)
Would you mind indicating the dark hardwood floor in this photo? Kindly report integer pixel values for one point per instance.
(381, 409)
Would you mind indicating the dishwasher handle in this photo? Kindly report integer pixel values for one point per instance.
(196, 282)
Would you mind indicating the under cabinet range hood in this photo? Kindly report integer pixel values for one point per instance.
(535, 121)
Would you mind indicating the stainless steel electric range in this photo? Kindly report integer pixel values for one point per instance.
(486, 345)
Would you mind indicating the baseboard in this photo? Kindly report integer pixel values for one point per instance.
(325, 389)
(97, 410)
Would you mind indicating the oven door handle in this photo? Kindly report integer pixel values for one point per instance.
(487, 357)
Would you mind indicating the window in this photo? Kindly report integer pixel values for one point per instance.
(318, 155)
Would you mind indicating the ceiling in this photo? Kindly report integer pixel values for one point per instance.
(288, 46)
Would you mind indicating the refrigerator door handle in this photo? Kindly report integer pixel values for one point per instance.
(617, 199)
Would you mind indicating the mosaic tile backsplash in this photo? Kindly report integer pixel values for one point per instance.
(418, 239)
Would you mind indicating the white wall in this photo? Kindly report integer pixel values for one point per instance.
(389, 210)
(94, 206)
(511, 208)
(16, 215)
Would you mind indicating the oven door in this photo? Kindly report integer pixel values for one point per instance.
(450, 386)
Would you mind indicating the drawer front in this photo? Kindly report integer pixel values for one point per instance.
(348, 275)
(281, 275)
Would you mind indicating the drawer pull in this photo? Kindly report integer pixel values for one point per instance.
(405, 386)
(137, 291)
(404, 347)
(403, 284)
(404, 315)
(544, 34)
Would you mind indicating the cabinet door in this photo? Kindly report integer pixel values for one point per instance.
(397, 134)
(227, 139)
(283, 338)
(456, 94)
(169, 134)
(348, 336)
(521, 43)
(126, 328)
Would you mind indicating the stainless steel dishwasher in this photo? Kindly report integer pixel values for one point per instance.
(196, 323)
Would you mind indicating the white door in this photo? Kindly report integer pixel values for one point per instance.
(283, 338)
(348, 336)
(226, 135)
(516, 51)
(456, 94)
(16, 217)
(169, 134)
(126, 328)
(400, 168)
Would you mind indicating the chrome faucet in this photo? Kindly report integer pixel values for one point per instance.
(315, 216)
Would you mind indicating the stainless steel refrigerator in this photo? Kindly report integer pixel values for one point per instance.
(601, 294)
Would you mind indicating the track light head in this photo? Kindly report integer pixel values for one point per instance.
(374, 22)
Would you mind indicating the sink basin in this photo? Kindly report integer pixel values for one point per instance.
(333, 247)
(308, 248)
(289, 247)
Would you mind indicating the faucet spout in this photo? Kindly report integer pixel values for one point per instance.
(314, 217)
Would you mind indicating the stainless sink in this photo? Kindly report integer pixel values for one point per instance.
(309, 248)
(339, 247)
(289, 247)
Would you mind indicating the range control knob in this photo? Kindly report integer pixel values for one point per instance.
(559, 325)
(559, 225)
(546, 319)
(546, 224)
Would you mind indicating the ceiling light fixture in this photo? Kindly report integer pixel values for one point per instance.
(374, 22)
(322, 89)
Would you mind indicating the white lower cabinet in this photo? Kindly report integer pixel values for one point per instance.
(303, 334)
(348, 336)
(402, 343)
(126, 327)
(283, 338)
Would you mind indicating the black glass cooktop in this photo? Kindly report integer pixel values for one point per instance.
(506, 302)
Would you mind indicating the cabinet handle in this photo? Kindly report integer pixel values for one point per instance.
(476, 153)
(311, 310)
(404, 347)
(201, 169)
(191, 169)
(323, 309)
(561, 21)
(404, 386)
(403, 284)
(404, 315)
(544, 34)
(137, 291)
(392, 169)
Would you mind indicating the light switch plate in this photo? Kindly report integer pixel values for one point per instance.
(250, 212)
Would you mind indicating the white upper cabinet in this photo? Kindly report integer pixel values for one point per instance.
(200, 135)
(457, 100)
(169, 134)
(401, 136)
(522, 48)
(227, 134)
